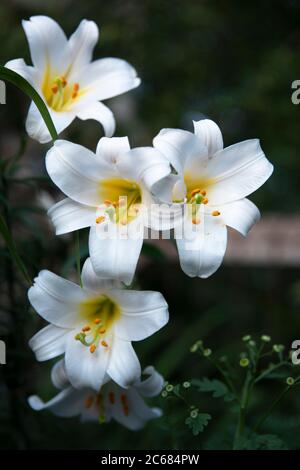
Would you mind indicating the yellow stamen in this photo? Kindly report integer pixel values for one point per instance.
(104, 344)
(76, 87)
(205, 200)
(102, 331)
(100, 219)
(215, 213)
(54, 89)
(74, 95)
(63, 81)
(97, 321)
(93, 348)
(195, 221)
(203, 192)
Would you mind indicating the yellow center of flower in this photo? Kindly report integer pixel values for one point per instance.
(60, 95)
(100, 314)
(197, 193)
(122, 198)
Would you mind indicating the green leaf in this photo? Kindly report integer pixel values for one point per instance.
(12, 249)
(198, 423)
(216, 387)
(23, 85)
(262, 442)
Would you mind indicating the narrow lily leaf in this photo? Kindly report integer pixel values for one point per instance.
(12, 249)
(22, 84)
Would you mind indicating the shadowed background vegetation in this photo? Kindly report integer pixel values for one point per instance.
(231, 61)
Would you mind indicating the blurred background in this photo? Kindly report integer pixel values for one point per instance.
(233, 62)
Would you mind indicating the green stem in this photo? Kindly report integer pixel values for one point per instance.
(242, 412)
(266, 372)
(22, 84)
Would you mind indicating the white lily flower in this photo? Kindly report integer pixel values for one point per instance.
(212, 183)
(126, 406)
(66, 78)
(110, 192)
(93, 326)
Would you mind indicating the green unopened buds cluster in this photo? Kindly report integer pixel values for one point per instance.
(168, 389)
(278, 348)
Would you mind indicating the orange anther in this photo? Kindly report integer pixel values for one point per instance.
(111, 397)
(97, 321)
(195, 191)
(102, 331)
(93, 348)
(86, 328)
(100, 219)
(205, 200)
(203, 192)
(104, 344)
(195, 221)
(76, 87)
(215, 213)
(54, 89)
(88, 401)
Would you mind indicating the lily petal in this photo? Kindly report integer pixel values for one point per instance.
(47, 42)
(209, 132)
(99, 112)
(124, 367)
(56, 299)
(202, 249)
(240, 215)
(114, 257)
(143, 313)
(86, 369)
(76, 171)
(81, 45)
(26, 71)
(69, 402)
(111, 148)
(58, 375)
(144, 165)
(237, 171)
(93, 282)
(36, 127)
(49, 342)
(68, 215)
(179, 146)
(106, 78)
(152, 385)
